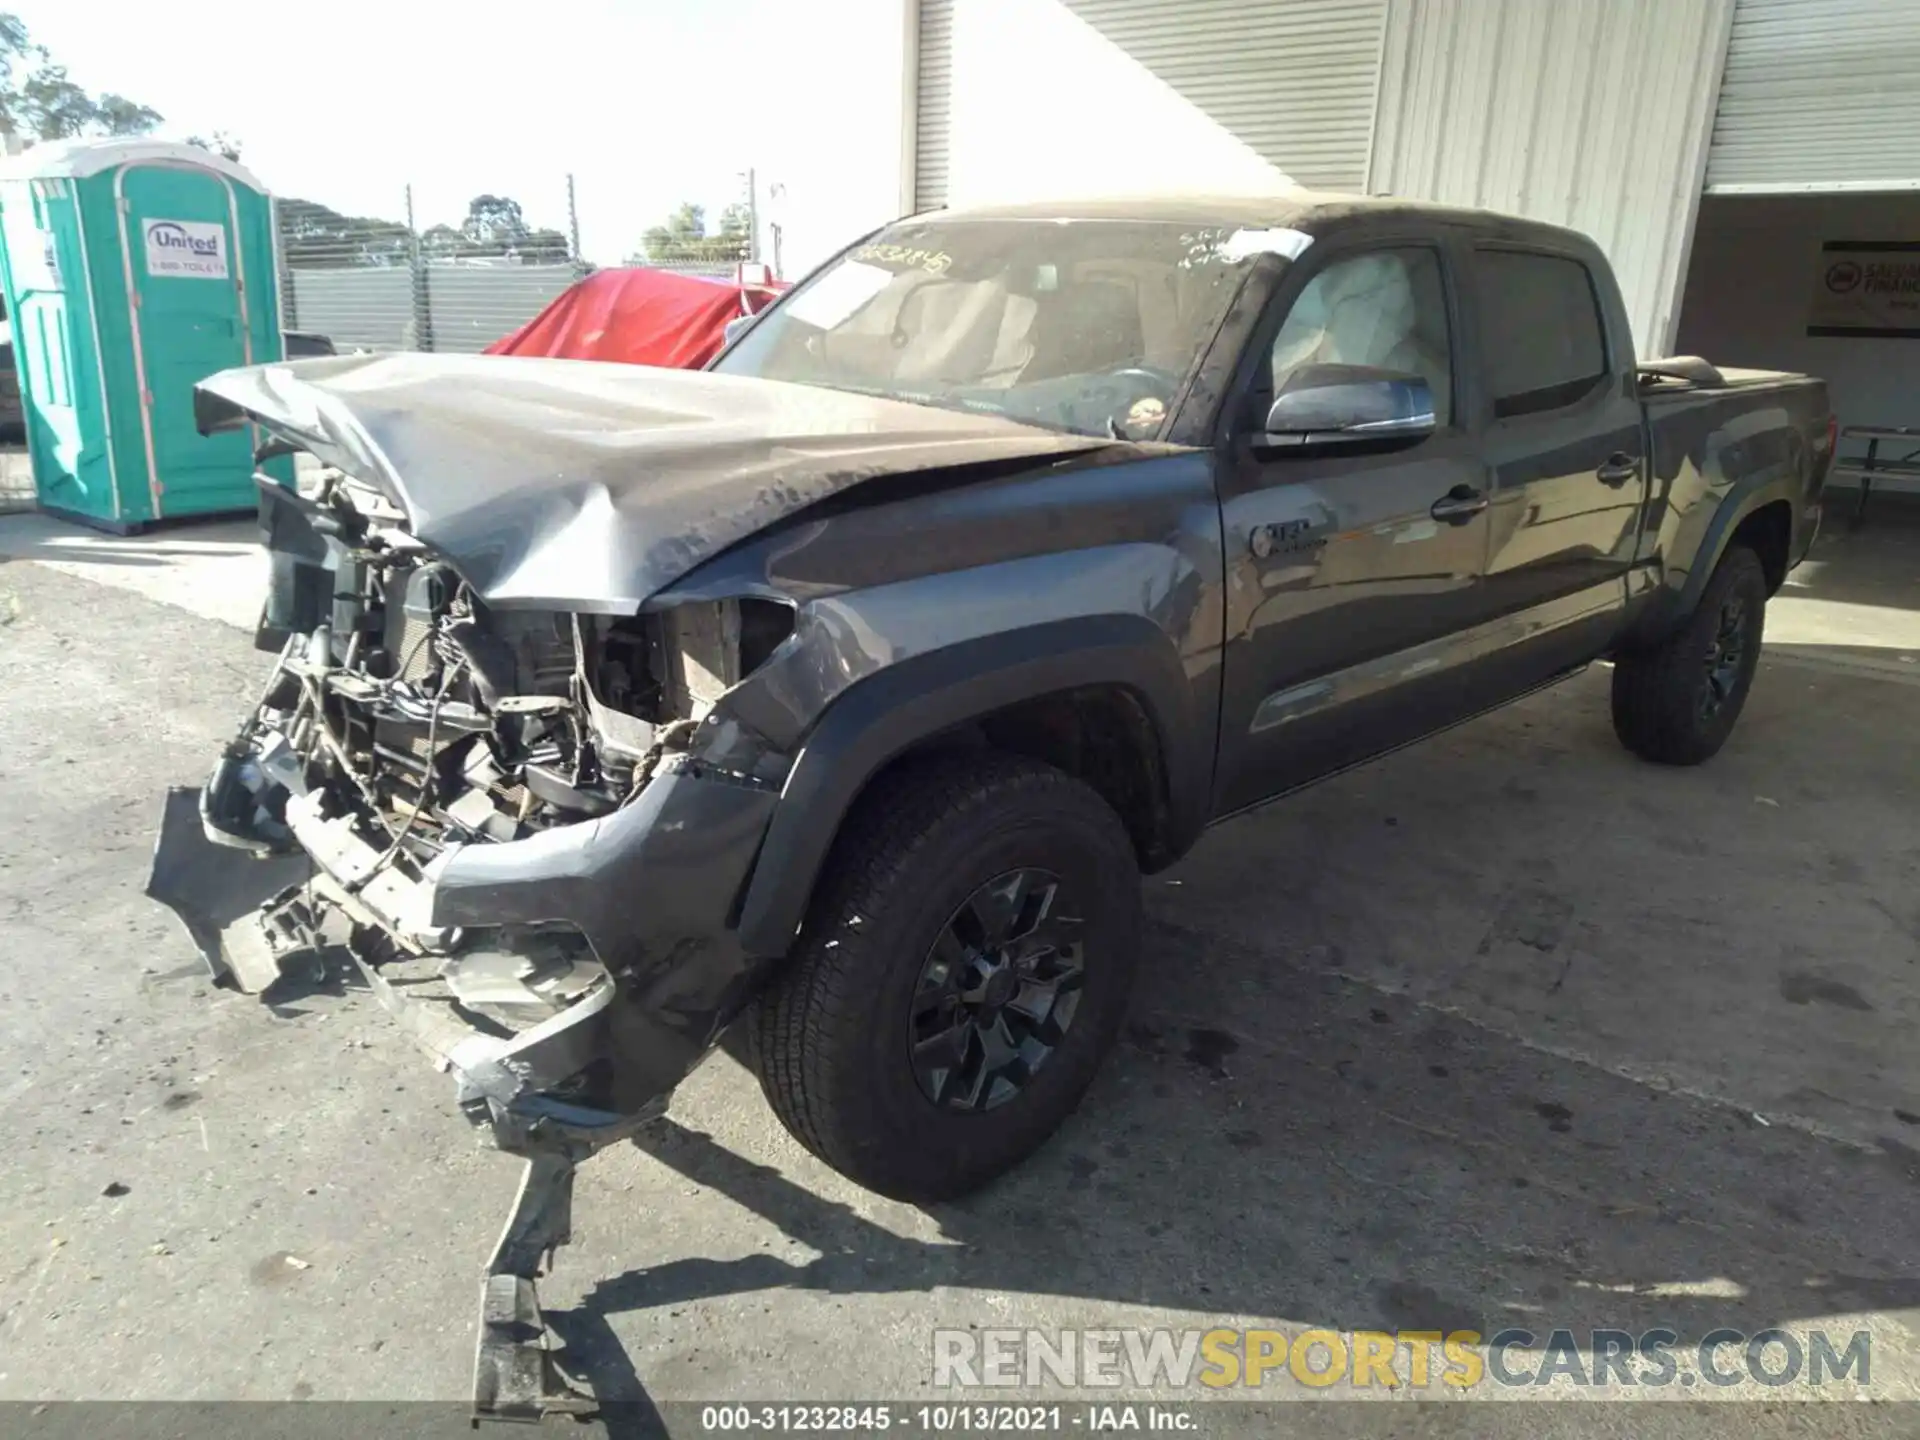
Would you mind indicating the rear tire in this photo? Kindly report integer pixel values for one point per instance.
(866, 1045)
(1676, 703)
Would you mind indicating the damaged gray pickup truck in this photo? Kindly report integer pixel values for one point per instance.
(843, 692)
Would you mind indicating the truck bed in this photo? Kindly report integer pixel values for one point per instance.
(1759, 438)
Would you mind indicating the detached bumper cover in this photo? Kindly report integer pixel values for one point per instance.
(653, 888)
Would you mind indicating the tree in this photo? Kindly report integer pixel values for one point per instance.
(543, 247)
(40, 101)
(443, 242)
(221, 144)
(683, 238)
(494, 221)
(118, 115)
(53, 107)
(314, 236)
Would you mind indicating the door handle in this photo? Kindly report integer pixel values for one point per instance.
(1619, 469)
(1459, 505)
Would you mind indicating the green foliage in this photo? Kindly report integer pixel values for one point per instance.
(683, 237)
(494, 220)
(40, 101)
(221, 143)
(313, 236)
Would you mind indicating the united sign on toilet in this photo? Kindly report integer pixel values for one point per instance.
(186, 247)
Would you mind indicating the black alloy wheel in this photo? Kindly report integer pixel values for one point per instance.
(997, 992)
(963, 968)
(1726, 656)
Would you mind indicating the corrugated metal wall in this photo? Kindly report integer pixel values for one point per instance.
(933, 105)
(1029, 97)
(1292, 79)
(378, 307)
(358, 308)
(1819, 95)
(470, 308)
(1588, 113)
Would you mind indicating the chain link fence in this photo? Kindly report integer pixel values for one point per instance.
(378, 283)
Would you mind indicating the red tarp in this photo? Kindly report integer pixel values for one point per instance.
(638, 316)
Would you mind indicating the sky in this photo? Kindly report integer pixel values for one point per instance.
(647, 102)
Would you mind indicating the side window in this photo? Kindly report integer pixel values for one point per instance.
(1386, 309)
(1541, 331)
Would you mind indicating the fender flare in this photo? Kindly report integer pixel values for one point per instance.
(1731, 516)
(1673, 605)
(886, 714)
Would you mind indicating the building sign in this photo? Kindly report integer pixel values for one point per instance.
(1868, 288)
(186, 247)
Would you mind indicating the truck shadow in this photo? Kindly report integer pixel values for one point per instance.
(1508, 1030)
(1363, 1164)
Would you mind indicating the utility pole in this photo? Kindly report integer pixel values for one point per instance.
(573, 228)
(422, 294)
(776, 197)
(753, 216)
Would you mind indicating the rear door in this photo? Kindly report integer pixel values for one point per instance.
(1348, 597)
(1564, 440)
(190, 321)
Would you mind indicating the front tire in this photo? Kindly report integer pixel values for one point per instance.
(1676, 703)
(962, 972)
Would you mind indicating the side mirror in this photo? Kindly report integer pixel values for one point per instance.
(1345, 404)
(734, 328)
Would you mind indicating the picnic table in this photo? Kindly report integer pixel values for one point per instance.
(1866, 466)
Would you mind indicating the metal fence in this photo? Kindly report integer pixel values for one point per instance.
(442, 278)
(423, 305)
(457, 284)
(449, 280)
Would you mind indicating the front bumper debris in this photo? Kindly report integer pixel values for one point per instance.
(611, 936)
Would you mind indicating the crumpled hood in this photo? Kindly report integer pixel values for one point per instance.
(576, 485)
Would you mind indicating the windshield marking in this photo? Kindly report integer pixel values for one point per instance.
(934, 262)
(1245, 244)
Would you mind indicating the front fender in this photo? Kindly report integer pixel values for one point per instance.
(886, 714)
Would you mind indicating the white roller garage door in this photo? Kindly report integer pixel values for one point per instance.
(1819, 95)
(933, 91)
(1050, 96)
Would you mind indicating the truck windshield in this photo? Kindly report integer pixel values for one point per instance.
(1087, 326)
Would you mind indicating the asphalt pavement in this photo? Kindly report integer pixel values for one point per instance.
(1507, 1030)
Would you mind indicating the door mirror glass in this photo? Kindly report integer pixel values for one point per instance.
(1324, 404)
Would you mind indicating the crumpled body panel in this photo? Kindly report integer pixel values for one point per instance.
(565, 484)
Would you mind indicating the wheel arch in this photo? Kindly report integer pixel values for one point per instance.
(1758, 511)
(1762, 518)
(1121, 665)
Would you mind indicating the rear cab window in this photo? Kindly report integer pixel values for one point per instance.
(1542, 338)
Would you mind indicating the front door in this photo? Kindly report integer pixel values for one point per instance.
(190, 317)
(1352, 573)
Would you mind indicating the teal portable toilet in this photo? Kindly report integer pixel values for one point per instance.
(134, 268)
